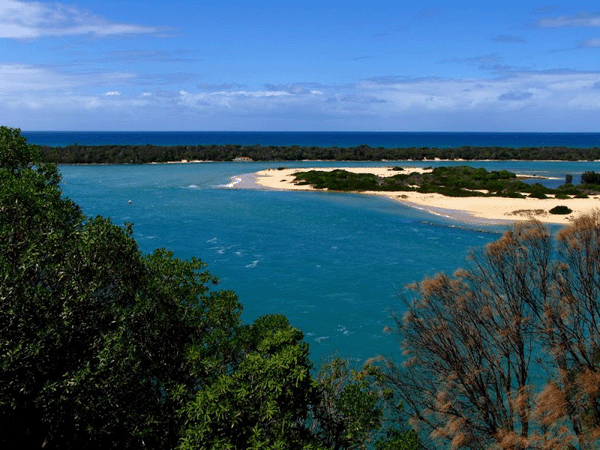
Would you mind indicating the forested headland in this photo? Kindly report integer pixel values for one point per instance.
(144, 154)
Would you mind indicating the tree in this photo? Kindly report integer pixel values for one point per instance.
(94, 336)
(590, 177)
(263, 401)
(355, 409)
(504, 353)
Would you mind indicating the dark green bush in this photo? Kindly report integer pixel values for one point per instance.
(538, 194)
(590, 177)
(561, 210)
(513, 195)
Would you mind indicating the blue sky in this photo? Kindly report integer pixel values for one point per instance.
(302, 66)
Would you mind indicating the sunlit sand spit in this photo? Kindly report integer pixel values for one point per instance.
(465, 209)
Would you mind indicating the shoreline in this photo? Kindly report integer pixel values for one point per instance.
(477, 210)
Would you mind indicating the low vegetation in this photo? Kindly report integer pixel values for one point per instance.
(457, 181)
(561, 210)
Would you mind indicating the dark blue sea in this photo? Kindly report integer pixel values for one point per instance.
(334, 264)
(318, 139)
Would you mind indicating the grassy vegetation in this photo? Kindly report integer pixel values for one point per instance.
(460, 181)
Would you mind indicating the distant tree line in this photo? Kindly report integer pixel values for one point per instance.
(143, 154)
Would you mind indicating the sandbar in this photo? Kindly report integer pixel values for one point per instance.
(464, 209)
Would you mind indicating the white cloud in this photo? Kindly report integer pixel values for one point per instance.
(538, 90)
(30, 20)
(591, 43)
(579, 20)
(523, 100)
(19, 78)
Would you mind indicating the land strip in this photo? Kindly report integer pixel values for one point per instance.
(480, 209)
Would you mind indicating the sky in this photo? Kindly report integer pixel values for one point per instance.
(96, 65)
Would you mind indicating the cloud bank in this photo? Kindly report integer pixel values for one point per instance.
(32, 20)
(579, 20)
(493, 104)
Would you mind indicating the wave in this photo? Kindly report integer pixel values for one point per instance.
(232, 183)
(344, 330)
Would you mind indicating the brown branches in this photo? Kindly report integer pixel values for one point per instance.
(482, 345)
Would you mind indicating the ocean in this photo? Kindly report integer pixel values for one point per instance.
(334, 264)
(320, 139)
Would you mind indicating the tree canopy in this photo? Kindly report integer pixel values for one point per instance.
(143, 154)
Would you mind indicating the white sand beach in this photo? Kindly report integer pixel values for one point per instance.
(465, 209)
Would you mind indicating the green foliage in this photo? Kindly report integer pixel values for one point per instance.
(141, 154)
(262, 401)
(513, 195)
(350, 408)
(561, 210)
(17, 155)
(399, 439)
(94, 336)
(456, 181)
(590, 178)
(338, 180)
(539, 195)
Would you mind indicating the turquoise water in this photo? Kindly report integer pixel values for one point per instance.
(334, 264)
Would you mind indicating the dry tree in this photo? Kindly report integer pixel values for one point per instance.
(504, 354)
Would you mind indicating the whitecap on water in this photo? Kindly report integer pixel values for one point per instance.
(232, 183)
(344, 330)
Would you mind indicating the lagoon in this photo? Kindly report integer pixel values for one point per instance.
(334, 264)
